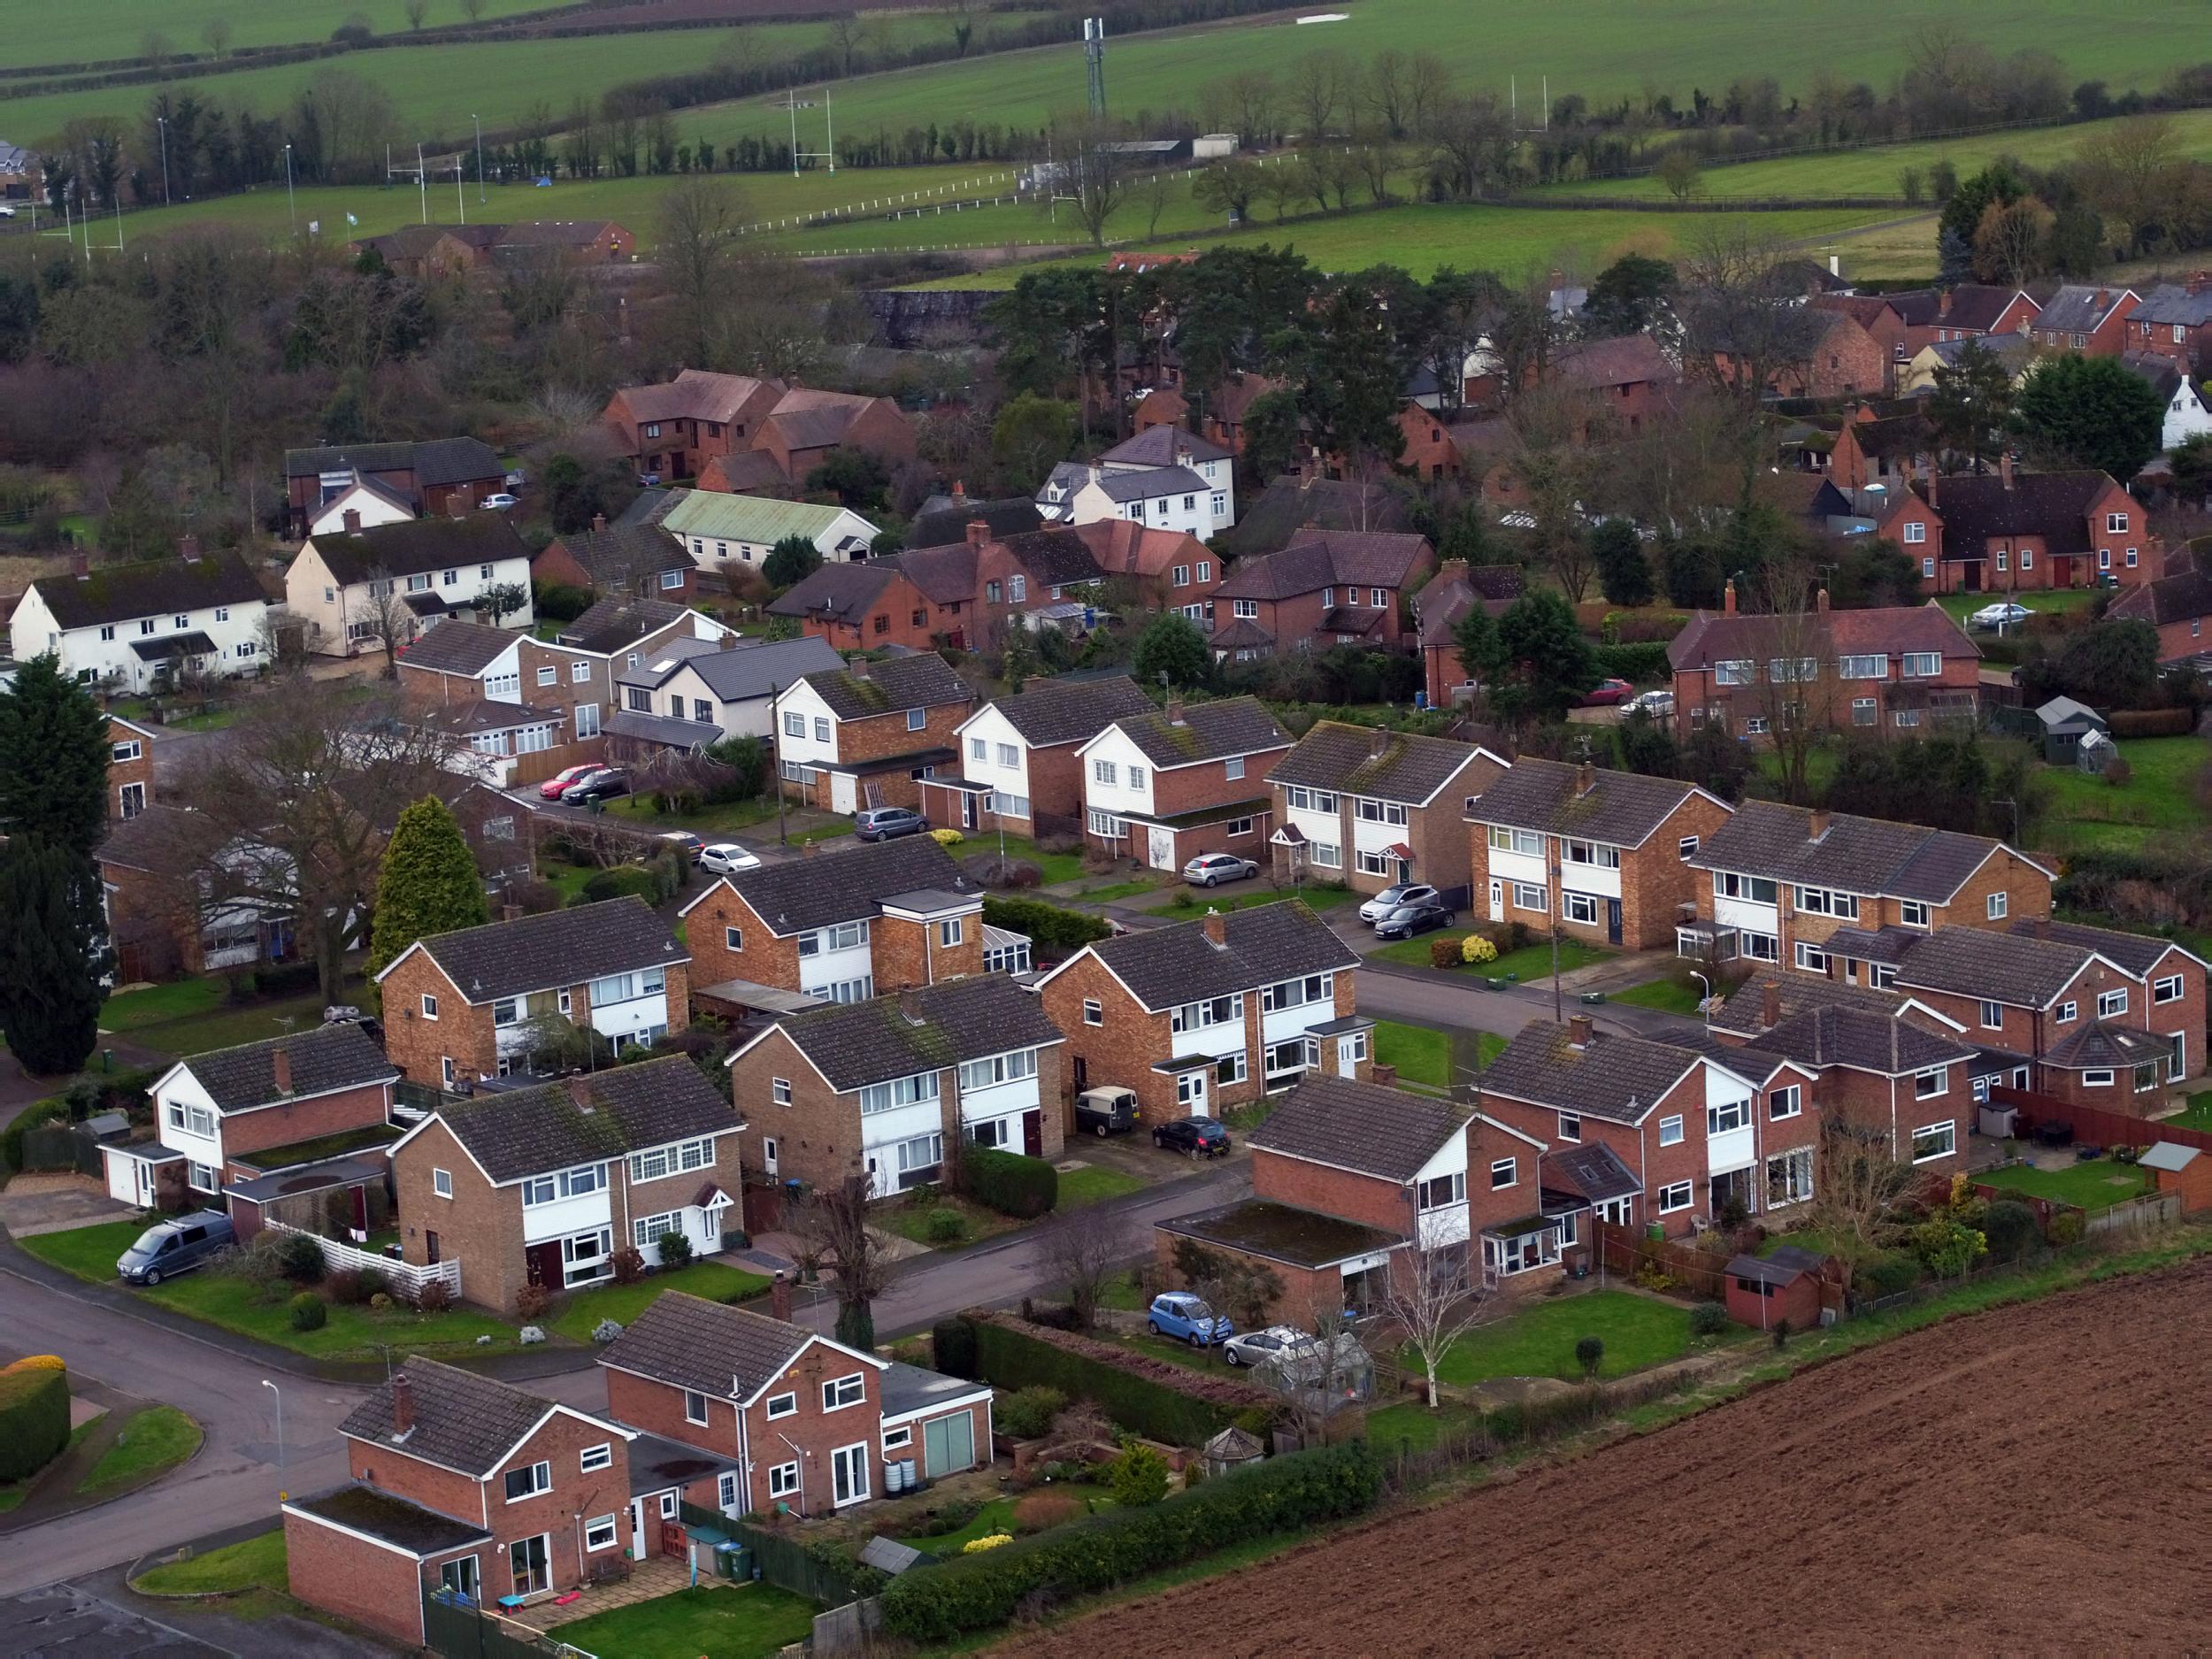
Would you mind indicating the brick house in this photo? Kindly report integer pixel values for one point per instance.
(1207, 1015)
(1774, 882)
(837, 925)
(1844, 360)
(1881, 315)
(891, 1088)
(130, 767)
(1203, 509)
(1615, 846)
(1876, 450)
(1327, 588)
(575, 669)
(732, 536)
(2174, 321)
(729, 684)
(863, 735)
(1968, 311)
(168, 910)
(2002, 531)
(431, 477)
(426, 1453)
(1627, 377)
(2176, 606)
(673, 428)
(1160, 787)
(2087, 319)
(866, 606)
(1375, 808)
(458, 1006)
(1902, 665)
(344, 586)
(607, 560)
(1020, 757)
(806, 1425)
(2015, 353)
(541, 1186)
(1446, 598)
(461, 663)
(807, 426)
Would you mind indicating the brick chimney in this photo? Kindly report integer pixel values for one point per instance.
(280, 1068)
(911, 1004)
(403, 1405)
(1935, 483)
(1379, 743)
(1728, 598)
(959, 492)
(2198, 280)
(1217, 926)
(979, 532)
(1586, 780)
(728, 642)
(860, 666)
(2004, 467)
(1943, 302)
(351, 518)
(2104, 298)
(1175, 711)
(1816, 823)
(1820, 599)
(599, 521)
(579, 1090)
(80, 565)
(780, 1297)
(188, 549)
(1578, 1028)
(1771, 1005)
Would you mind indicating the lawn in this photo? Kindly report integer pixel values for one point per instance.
(156, 1005)
(2196, 1115)
(158, 1438)
(1411, 1426)
(2099, 1184)
(252, 1563)
(1638, 1331)
(717, 1281)
(726, 818)
(1669, 996)
(567, 879)
(744, 1622)
(1421, 1054)
(1052, 867)
(1093, 1183)
(911, 1221)
(1114, 890)
(2055, 601)
(1488, 1047)
(1527, 964)
(233, 1025)
(2087, 813)
(1197, 901)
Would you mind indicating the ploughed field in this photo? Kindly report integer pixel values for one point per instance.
(2027, 1481)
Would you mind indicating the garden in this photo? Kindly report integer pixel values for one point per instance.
(2091, 1184)
(1634, 1332)
(748, 1621)
(1513, 954)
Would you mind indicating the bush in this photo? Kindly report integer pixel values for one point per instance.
(558, 601)
(952, 1343)
(36, 1362)
(1138, 1476)
(949, 1516)
(1029, 1412)
(945, 1226)
(2153, 722)
(1639, 664)
(309, 1312)
(1048, 926)
(345, 1288)
(434, 1297)
(34, 1419)
(1474, 950)
(946, 837)
(1009, 1182)
(2010, 1226)
(1152, 1397)
(2065, 1228)
(373, 1285)
(1887, 1274)
(625, 882)
(1444, 953)
(675, 1249)
(301, 1255)
(990, 1540)
(1590, 1354)
(1283, 1494)
(628, 1264)
(531, 1302)
(1707, 1318)
(2119, 774)
(1042, 1511)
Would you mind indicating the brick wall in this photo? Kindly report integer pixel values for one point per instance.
(2027, 890)
(123, 773)
(1330, 1192)
(903, 952)
(291, 1121)
(375, 1587)
(480, 1226)
(760, 956)
(1306, 1292)
(817, 1135)
(418, 1045)
(1122, 1049)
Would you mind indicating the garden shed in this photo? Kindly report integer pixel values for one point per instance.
(2184, 1170)
(1231, 1450)
(1764, 1291)
(2063, 724)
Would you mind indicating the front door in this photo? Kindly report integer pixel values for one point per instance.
(1082, 1074)
(849, 1473)
(1497, 900)
(1162, 847)
(843, 795)
(1034, 1134)
(529, 1563)
(430, 1247)
(967, 810)
(1190, 1094)
(637, 1529)
(1612, 921)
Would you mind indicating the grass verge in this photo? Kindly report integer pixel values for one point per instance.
(912, 1221)
(1093, 1183)
(1669, 996)
(255, 1563)
(1638, 1332)
(158, 1438)
(1421, 1054)
(1197, 901)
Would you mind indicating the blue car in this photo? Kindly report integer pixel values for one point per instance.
(1178, 1313)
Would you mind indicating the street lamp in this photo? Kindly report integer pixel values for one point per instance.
(279, 1393)
(480, 161)
(1708, 997)
(291, 204)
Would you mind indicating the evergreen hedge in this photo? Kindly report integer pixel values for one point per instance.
(1009, 1182)
(1147, 1397)
(34, 1420)
(1048, 926)
(1640, 662)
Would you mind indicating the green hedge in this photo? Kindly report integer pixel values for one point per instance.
(1185, 1411)
(971, 1592)
(624, 881)
(952, 1348)
(1639, 664)
(35, 1116)
(1009, 1182)
(34, 1421)
(1048, 926)
(2153, 722)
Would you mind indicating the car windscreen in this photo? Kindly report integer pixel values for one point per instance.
(148, 1241)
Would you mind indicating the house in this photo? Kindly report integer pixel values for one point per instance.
(863, 735)
(575, 669)
(946, 518)
(2086, 317)
(807, 426)
(2186, 416)
(1841, 360)
(2176, 606)
(1615, 846)
(746, 473)
(1160, 787)
(491, 738)
(1446, 598)
(433, 478)
(1629, 378)
(1375, 808)
(2002, 531)
(1967, 310)
(1020, 757)
(142, 627)
(1328, 588)
(425, 1454)
(1877, 450)
(2016, 352)
(641, 559)
(458, 1006)
(368, 502)
(1204, 1015)
(167, 916)
(460, 662)
(1164, 478)
(1775, 881)
(730, 683)
(836, 926)
(2174, 321)
(1292, 504)
(881, 1089)
(868, 605)
(375, 586)
(543, 1186)
(672, 429)
(1903, 665)
(807, 1425)
(730, 534)
(213, 1111)
(1881, 315)
(1223, 409)
(130, 767)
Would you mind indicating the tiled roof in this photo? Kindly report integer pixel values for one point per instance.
(529, 1132)
(1853, 855)
(935, 525)
(160, 839)
(2080, 307)
(1883, 631)
(2133, 953)
(1880, 944)
(842, 593)
(149, 587)
(2162, 374)
(2170, 302)
(1385, 1133)
(1206, 731)
(1979, 305)
(2012, 350)
(412, 546)
(623, 554)
(1053, 711)
(1904, 435)
(803, 894)
(1449, 596)
(812, 420)
(463, 1420)
(1621, 809)
(924, 680)
(1279, 513)
(1165, 966)
(1616, 360)
(558, 948)
(709, 1347)
(2098, 1044)
(855, 1044)
(2181, 598)
(325, 1059)
(459, 647)
(408, 1526)
(694, 394)
(2015, 967)
(1615, 1078)
(1054, 556)
(1144, 485)
(1838, 1035)
(616, 624)
(1164, 446)
(945, 575)
(745, 671)
(1590, 1171)
(1743, 1010)
(435, 461)
(1315, 559)
(1380, 764)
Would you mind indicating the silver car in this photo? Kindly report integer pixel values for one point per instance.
(1208, 869)
(1658, 705)
(1269, 1346)
(1390, 898)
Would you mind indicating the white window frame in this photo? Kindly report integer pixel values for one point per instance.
(540, 1474)
(2099, 1078)
(594, 1458)
(1093, 1011)
(1504, 1173)
(1949, 1130)
(442, 1183)
(1671, 1131)
(783, 1479)
(1920, 1084)
(1786, 1101)
(2167, 988)
(782, 1405)
(842, 1393)
(691, 1394)
(2111, 1004)
(1997, 905)
(1675, 1197)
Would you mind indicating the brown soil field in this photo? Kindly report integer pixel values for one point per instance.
(2024, 1481)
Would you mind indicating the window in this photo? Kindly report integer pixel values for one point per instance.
(2065, 1015)
(2027, 559)
(1865, 668)
(1727, 1115)
(1580, 852)
(1913, 913)
(1106, 827)
(1939, 1140)
(1927, 568)
(108, 633)
(1921, 665)
(950, 932)
(579, 671)
(783, 1480)
(1180, 576)
(1863, 712)
(1093, 1011)
(1232, 767)
(1785, 1103)
(1503, 1173)
(1757, 889)
(1531, 898)
(2112, 1003)
(671, 1160)
(1107, 772)
(1674, 1197)
(1992, 1014)
(1915, 533)
(1783, 671)
(1329, 856)
(1527, 844)
(1246, 609)
(2115, 524)
(595, 1458)
(782, 1405)
(906, 1091)
(1790, 1177)
(1760, 947)
(442, 1183)
(1685, 848)
(1670, 1132)
(794, 724)
(897, 1440)
(1569, 1126)
(841, 1392)
(1136, 777)
(2096, 1079)
(1929, 1084)
(1314, 987)
(1001, 1068)
(1394, 812)
(1812, 958)
(1823, 901)
(429, 1006)
(1998, 904)
(1732, 673)
(2166, 990)
(1217, 1011)
(695, 1406)
(529, 1481)
(1577, 907)
(1205, 567)
(1443, 1189)
(599, 1533)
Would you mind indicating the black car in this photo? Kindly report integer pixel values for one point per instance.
(1200, 1137)
(601, 786)
(1405, 921)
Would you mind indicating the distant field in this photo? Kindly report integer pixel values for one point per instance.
(91, 31)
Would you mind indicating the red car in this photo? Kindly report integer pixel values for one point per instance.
(1607, 691)
(551, 788)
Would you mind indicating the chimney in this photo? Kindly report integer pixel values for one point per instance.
(457, 505)
(579, 1090)
(2104, 297)
(979, 533)
(2198, 280)
(1935, 483)
(80, 565)
(2004, 467)
(728, 642)
(1217, 926)
(1578, 1031)
(188, 549)
(1093, 471)
(1820, 599)
(1381, 741)
(860, 668)
(1816, 823)
(809, 850)
(352, 519)
(280, 1068)
(402, 1406)
(1771, 1005)
(1586, 780)
(780, 1297)
(599, 521)
(911, 1004)
(1175, 711)
(959, 492)
(1943, 302)
(1728, 598)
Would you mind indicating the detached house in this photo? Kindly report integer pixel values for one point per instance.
(729, 684)
(1162, 787)
(1442, 601)
(807, 425)
(543, 1186)
(871, 604)
(1207, 1015)
(142, 627)
(345, 587)
(1021, 757)
(2174, 321)
(675, 428)
(2000, 532)
(2186, 416)
(1327, 588)
(575, 670)
(641, 559)
(1164, 478)
(882, 1088)
(432, 479)
(2178, 607)
(1375, 808)
(172, 900)
(458, 1006)
(865, 735)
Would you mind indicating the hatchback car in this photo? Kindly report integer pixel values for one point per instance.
(1390, 898)
(1265, 1347)
(721, 858)
(603, 785)
(1607, 691)
(499, 502)
(1200, 1137)
(554, 787)
(1211, 869)
(690, 841)
(1187, 1318)
(1658, 705)
(2001, 615)
(887, 823)
(175, 1247)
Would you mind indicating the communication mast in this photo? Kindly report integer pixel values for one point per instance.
(1094, 56)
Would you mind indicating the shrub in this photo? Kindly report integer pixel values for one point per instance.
(2119, 774)
(991, 1540)
(946, 837)
(344, 1288)
(1590, 1354)
(2065, 1228)
(1041, 1511)
(381, 1301)
(1781, 1332)
(1009, 1182)
(945, 1226)
(1138, 1476)
(34, 1419)
(301, 1255)
(373, 1285)
(1444, 953)
(675, 1249)
(2010, 1226)
(624, 881)
(628, 1264)
(36, 1362)
(949, 1516)
(1284, 1494)
(1475, 950)
(952, 1343)
(434, 1297)
(531, 1302)
(1152, 1397)
(309, 1312)
(1029, 1412)
(1887, 1274)
(1640, 662)
(1048, 926)
(1707, 1318)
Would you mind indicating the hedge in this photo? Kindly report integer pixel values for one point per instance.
(1639, 664)
(970, 1592)
(37, 1115)
(1149, 1396)
(1009, 1182)
(34, 1420)
(1048, 926)
(2153, 722)
(625, 882)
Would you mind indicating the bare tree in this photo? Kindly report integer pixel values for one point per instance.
(1320, 83)
(1435, 1295)
(778, 331)
(1159, 191)
(1472, 141)
(472, 9)
(1083, 1249)
(1680, 171)
(216, 34)
(1313, 1379)
(1378, 164)
(378, 612)
(849, 32)
(1389, 75)
(1860, 1188)
(1428, 84)
(1795, 679)
(1095, 177)
(695, 225)
(831, 1226)
(1251, 94)
(1746, 333)
(415, 11)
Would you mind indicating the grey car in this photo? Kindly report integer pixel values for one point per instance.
(170, 1247)
(887, 822)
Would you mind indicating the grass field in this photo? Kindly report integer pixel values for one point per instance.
(2196, 1115)
(1093, 1184)
(1195, 902)
(2160, 796)
(2097, 1185)
(1529, 963)
(747, 1622)
(95, 30)
(1638, 1332)
(1669, 996)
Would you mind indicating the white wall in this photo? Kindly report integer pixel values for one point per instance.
(86, 655)
(750, 718)
(811, 747)
(1113, 745)
(995, 732)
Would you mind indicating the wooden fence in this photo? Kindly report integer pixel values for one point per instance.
(540, 765)
(62, 1147)
(456, 1628)
(1628, 1251)
(2092, 1125)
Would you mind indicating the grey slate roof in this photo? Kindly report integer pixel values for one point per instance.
(1855, 855)
(846, 593)
(1380, 764)
(531, 1131)
(1385, 1133)
(624, 553)
(2014, 968)
(1208, 731)
(2080, 307)
(463, 1420)
(803, 894)
(1880, 944)
(326, 1058)
(2053, 505)
(458, 647)
(741, 673)
(666, 730)
(2171, 302)
(433, 461)
(1164, 446)
(614, 625)
(689, 1342)
(1621, 809)
(149, 587)
(1315, 559)
(414, 547)
(537, 953)
(409, 1526)
(855, 1044)
(924, 680)
(2177, 598)
(2134, 953)
(943, 520)
(1590, 1170)
(1053, 711)
(2098, 1044)
(1167, 966)
(1838, 1035)
(1619, 1079)
(1144, 485)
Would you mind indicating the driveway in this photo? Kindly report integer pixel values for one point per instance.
(66, 1622)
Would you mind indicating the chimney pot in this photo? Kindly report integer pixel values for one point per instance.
(280, 1068)
(1175, 711)
(599, 521)
(403, 1405)
(728, 642)
(1820, 599)
(1578, 1028)
(810, 850)
(1728, 598)
(1217, 926)
(188, 549)
(2004, 467)
(579, 1090)
(1935, 485)
(959, 490)
(780, 1297)
(81, 566)
(1586, 779)
(351, 518)
(1381, 741)
(1771, 1005)
(1943, 304)
(2198, 280)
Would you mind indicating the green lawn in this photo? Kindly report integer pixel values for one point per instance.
(2088, 813)
(567, 880)
(1488, 1047)
(743, 1621)
(156, 1439)
(155, 1004)
(1114, 890)
(1421, 1054)
(193, 1016)
(1528, 964)
(911, 1221)
(2196, 1115)
(1197, 901)
(2097, 1185)
(252, 1563)
(1052, 867)
(1413, 1427)
(1638, 1332)
(1093, 1183)
(2055, 601)
(1669, 996)
(997, 1516)
(717, 1281)
(726, 818)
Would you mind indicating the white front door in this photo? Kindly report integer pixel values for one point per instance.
(849, 1473)
(1497, 900)
(1162, 847)
(843, 796)
(1190, 1093)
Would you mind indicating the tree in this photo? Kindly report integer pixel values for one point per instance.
(1274, 434)
(2193, 466)
(1081, 1248)
(501, 600)
(694, 227)
(1971, 403)
(2090, 411)
(52, 958)
(790, 561)
(1228, 188)
(1174, 648)
(1436, 1296)
(830, 1226)
(415, 11)
(1647, 746)
(215, 35)
(1628, 296)
(53, 760)
(378, 613)
(1093, 176)
(427, 883)
(1792, 691)
(1031, 436)
(2012, 240)
(1544, 661)
(1680, 171)
(1623, 572)
(856, 477)
(1475, 641)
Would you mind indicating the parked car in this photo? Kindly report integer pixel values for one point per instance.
(170, 1248)
(1106, 1111)
(1263, 1347)
(1201, 1137)
(601, 785)
(1408, 919)
(692, 843)
(554, 787)
(499, 502)
(721, 858)
(1658, 705)
(2003, 614)
(648, 480)
(889, 823)
(1211, 868)
(1607, 691)
(1391, 897)
(1184, 1316)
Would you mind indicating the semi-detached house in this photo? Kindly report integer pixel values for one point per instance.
(1376, 807)
(1162, 787)
(1165, 477)
(1327, 588)
(575, 669)
(865, 735)
(141, 627)
(1998, 533)
(730, 683)
(368, 587)
(1020, 757)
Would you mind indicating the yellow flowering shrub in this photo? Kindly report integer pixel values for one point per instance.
(1476, 949)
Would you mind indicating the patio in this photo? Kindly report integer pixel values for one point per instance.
(650, 1579)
